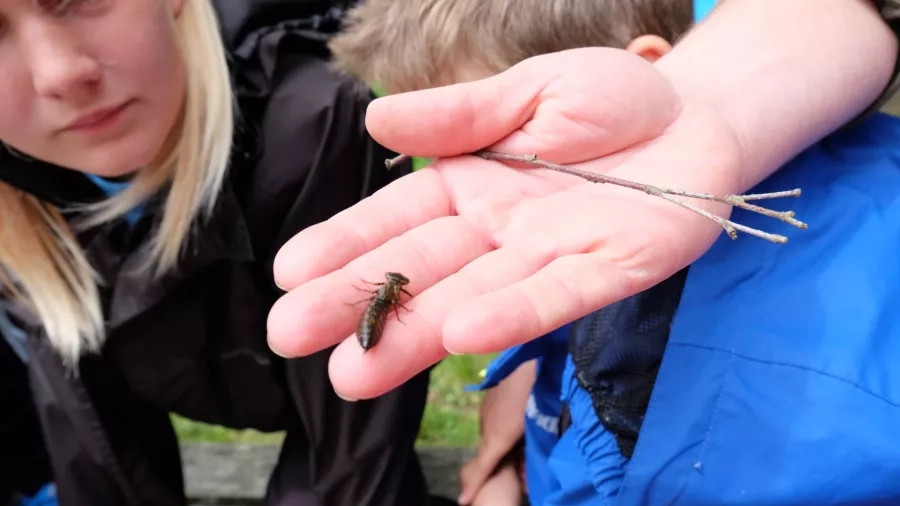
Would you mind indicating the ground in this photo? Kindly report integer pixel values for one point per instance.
(451, 416)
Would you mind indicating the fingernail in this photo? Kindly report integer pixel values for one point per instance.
(452, 352)
(344, 398)
(274, 349)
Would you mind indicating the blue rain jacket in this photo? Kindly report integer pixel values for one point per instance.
(544, 405)
(779, 383)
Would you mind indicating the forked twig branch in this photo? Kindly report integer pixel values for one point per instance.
(730, 227)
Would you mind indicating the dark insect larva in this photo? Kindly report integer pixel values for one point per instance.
(385, 299)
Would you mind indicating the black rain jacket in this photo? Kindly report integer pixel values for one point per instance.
(194, 341)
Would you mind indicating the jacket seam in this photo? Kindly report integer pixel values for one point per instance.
(792, 366)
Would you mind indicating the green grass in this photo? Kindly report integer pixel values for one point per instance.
(451, 415)
(192, 432)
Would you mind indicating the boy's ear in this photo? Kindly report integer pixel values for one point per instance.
(649, 47)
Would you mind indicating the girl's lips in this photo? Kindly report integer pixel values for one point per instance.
(97, 119)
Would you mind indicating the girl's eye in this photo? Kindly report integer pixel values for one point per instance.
(61, 6)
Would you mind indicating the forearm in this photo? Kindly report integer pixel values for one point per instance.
(503, 410)
(784, 73)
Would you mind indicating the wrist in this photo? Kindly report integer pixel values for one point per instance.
(492, 450)
(797, 70)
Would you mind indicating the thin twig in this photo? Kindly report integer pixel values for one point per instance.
(390, 163)
(730, 227)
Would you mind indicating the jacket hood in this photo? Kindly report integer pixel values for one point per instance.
(239, 18)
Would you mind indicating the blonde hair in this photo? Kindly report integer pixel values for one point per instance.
(417, 44)
(41, 262)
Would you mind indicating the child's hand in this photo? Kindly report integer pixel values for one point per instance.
(499, 255)
(502, 422)
(502, 488)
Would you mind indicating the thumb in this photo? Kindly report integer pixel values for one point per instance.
(457, 119)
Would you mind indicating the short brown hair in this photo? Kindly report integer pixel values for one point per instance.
(403, 45)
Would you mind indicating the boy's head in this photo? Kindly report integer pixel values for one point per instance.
(416, 44)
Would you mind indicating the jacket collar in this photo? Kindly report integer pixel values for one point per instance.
(57, 185)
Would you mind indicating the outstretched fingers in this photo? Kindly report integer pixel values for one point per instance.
(315, 315)
(564, 290)
(409, 348)
(395, 209)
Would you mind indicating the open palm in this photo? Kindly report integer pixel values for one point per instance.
(499, 254)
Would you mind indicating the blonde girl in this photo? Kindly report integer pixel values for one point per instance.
(148, 176)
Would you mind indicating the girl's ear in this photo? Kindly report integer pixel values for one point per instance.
(649, 47)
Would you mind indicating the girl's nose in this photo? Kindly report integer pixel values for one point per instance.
(60, 66)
